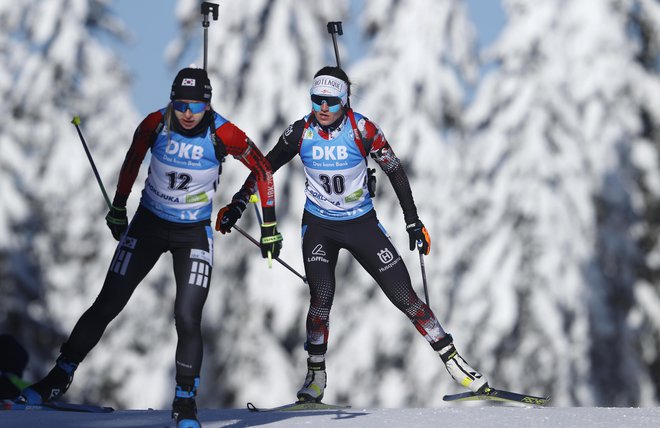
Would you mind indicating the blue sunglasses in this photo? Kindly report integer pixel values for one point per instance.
(334, 103)
(193, 107)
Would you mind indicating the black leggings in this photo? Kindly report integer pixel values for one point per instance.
(368, 242)
(147, 238)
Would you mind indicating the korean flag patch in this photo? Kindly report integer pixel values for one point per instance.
(188, 82)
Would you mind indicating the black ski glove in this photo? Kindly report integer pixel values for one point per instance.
(228, 216)
(117, 221)
(417, 233)
(271, 241)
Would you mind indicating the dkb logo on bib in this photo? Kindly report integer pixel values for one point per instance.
(328, 153)
(185, 151)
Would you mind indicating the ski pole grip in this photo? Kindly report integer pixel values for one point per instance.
(334, 27)
(208, 7)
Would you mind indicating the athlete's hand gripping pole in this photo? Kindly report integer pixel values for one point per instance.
(271, 242)
(282, 262)
(271, 239)
(419, 237)
(116, 218)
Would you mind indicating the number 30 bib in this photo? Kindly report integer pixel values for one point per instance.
(336, 175)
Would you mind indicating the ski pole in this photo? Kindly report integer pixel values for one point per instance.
(254, 200)
(255, 242)
(334, 28)
(76, 123)
(421, 263)
(208, 7)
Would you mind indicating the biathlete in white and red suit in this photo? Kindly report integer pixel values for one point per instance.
(333, 143)
(188, 142)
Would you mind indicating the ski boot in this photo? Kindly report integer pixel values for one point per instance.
(184, 408)
(458, 368)
(315, 382)
(51, 387)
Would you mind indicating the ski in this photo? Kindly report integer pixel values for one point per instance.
(499, 395)
(55, 406)
(298, 406)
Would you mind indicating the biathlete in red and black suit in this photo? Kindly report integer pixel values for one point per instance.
(333, 143)
(188, 142)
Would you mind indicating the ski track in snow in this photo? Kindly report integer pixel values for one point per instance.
(455, 416)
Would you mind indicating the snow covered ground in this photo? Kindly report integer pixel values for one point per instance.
(454, 416)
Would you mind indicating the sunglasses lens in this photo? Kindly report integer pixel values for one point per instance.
(333, 103)
(330, 101)
(197, 107)
(180, 106)
(194, 107)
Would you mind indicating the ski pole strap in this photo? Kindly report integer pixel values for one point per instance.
(271, 239)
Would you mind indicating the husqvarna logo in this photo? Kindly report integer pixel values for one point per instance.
(329, 153)
(387, 258)
(385, 255)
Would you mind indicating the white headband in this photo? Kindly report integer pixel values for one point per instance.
(330, 86)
